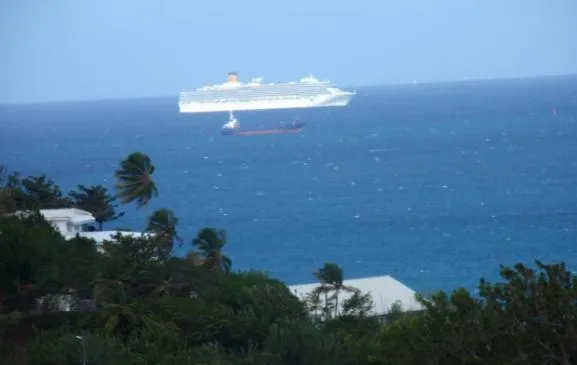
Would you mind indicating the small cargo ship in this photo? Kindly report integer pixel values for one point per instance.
(293, 128)
(232, 128)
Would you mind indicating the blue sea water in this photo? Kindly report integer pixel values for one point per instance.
(435, 184)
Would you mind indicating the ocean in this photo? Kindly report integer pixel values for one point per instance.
(434, 184)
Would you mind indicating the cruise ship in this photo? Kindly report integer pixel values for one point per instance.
(234, 95)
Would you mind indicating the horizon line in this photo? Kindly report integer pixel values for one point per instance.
(415, 82)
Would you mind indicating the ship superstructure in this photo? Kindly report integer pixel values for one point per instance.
(233, 95)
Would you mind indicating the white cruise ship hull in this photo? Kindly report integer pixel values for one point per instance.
(323, 100)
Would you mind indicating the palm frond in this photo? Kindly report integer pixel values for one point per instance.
(134, 180)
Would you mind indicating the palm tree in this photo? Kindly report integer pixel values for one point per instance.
(332, 280)
(119, 313)
(313, 303)
(135, 183)
(210, 242)
(163, 223)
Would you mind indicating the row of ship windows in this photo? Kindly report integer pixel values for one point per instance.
(244, 97)
(213, 93)
(273, 87)
(231, 100)
(247, 96)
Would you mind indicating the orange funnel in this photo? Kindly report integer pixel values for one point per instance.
(232, 77)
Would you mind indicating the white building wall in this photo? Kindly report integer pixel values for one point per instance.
(60, 226)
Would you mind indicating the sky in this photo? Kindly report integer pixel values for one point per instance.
(57, 50)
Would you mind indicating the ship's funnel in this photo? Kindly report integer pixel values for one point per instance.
(232, 77)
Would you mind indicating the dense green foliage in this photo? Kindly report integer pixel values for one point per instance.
(132, 302)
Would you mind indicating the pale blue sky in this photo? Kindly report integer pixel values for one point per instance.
(83, 49)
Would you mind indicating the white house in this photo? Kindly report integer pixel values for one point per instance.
(71, 222)
(65, 302)
(385, 291)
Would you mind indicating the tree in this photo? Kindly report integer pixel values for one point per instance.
(28, 245)
(96, 200)
(210, 243)
(332, 280)
(36, 192)
(358, 304)
(528, 318)
(76, 264)
(127, 277)
(249, 295)
(179, 278)
(537, 306)
(7, 203)
(163, 224)
(134, 180)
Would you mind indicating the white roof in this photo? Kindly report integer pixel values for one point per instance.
(384, 290)
(76, 216)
